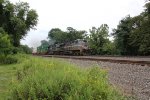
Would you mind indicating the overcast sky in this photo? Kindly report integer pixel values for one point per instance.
(79, 14)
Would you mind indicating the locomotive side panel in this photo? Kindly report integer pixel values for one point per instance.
(77, 47)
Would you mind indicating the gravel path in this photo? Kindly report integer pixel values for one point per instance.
(131, 79)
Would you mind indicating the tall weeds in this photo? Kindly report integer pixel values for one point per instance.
(52, 79)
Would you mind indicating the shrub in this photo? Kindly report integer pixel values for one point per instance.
(8, 59)
(5, 43)
(24, 49)
(53, 79)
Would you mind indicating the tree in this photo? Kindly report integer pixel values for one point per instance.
(5, 45)
(17, 20)
(25, 49)
(98, 37)
(122, 34)
(144, 48)
(109, 48)
(60, 36)
(73, 34)
(57, 35)
(133, 33)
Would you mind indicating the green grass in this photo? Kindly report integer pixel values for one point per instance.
(36, 78)
(7, 73)
(7, 76)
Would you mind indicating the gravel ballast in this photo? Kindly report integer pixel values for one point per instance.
(131, 79)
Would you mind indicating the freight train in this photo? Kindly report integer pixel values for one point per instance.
(77, 47)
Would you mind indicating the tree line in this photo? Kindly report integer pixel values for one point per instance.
(131, 37)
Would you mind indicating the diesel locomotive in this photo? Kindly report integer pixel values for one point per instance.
(77, 47)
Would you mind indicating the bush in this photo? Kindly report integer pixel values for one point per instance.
(8, 59)
(57, 80)
(5, 43)
(26, 49)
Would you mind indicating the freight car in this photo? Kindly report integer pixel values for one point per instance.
(77, 47)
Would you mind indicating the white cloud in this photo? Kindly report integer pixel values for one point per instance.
(79, 14)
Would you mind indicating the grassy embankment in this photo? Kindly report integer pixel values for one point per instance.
(52, 79)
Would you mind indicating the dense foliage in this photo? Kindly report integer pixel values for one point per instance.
(25, 49)
(99, 42)
(132, 35)
(5, 44)
(5, 49)
(37, 80)
(17, 20)
(60, 36)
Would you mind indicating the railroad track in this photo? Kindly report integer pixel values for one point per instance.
(123, 60)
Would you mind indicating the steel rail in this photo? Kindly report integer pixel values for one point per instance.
(121, 61)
